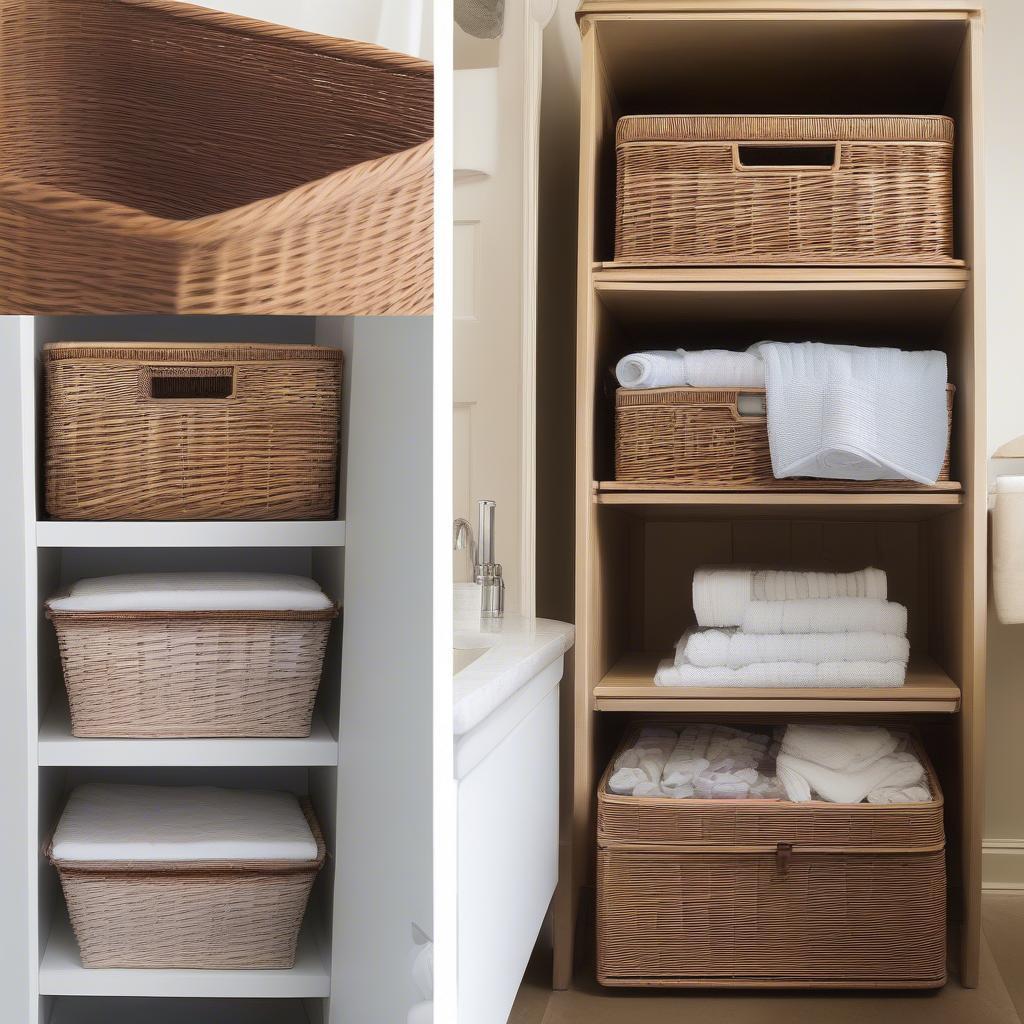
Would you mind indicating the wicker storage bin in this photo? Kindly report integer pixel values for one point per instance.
(201, 915)
(191, 673)
(783, 189)
(154, 431)
(713, 439)
(157, 157)
(761, 893)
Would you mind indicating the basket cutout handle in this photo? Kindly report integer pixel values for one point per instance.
(786, 157)
(188, 383)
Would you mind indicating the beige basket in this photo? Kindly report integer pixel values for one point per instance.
(762, 893)
(157, 157)
(208, 673)
(200, 915)
(154, 431)
(708, 439)
(784, 189)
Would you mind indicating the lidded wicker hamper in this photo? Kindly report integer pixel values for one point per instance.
(762, 893)
(192, 654)
(714, 439)
(158, 157)
(794, 189)
(191, 431)
(191, 877)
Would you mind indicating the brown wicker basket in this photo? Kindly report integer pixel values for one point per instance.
(784, 189)
(204, 673)
(157, 157)
(762, 893)
(705, 439)
(200, 915)
(155, 431)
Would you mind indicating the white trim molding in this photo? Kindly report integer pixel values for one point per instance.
(1002, 864)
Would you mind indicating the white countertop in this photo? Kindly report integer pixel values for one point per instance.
(515, 650)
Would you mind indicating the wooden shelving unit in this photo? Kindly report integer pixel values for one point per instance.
(636, 547)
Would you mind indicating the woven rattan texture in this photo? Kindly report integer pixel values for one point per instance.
(725, 918)
(691, 202)
(269, 450)
(157, 157)
(195, 675)
(200, 917)
(696, 438)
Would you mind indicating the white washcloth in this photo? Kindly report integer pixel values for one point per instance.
(721, 594)
(899, 795)
(709, 368)
(842, 412)
(839, 747)
(831, 615)
(802, 778)
(781, 674)
(731, 648)
(652, 370)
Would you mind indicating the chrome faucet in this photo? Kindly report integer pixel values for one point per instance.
(486, 571)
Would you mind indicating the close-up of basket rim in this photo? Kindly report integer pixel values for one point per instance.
(187, 352)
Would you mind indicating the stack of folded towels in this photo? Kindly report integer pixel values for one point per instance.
(835, 763)
(764, 627)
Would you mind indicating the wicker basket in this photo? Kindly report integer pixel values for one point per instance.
(157, 157)
(702, 439)
(166, 674)
(762, 893)
(147, 431)
(202, 915)
(784, 189)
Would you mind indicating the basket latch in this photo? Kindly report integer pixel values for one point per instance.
(783, 858)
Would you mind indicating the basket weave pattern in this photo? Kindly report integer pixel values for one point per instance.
(159, 157)
(696, 438)
(193, 915)
(699, 892)
(162, 674)
(268, 450)
(682, 196)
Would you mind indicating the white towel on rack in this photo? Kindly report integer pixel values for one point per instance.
(721, 594)
(830, 615)
(781, 674)
(707, 368)
(842, 412)
(732, 648)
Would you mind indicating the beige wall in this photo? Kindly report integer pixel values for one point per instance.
(1004, 161)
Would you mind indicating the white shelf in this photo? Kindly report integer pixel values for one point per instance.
(220, 534)
(61, 974)
(58, 747)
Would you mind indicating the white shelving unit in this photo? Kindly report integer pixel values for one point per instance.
(348, 967)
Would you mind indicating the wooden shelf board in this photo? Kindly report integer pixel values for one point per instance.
(953, 277)
(58, 747)
(613, 492)
(52, 533)
(132, 1010)
(61, 974)
(629, 686)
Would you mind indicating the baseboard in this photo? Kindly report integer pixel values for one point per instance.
(1002, 864)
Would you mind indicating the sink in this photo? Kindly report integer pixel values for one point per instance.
(465, 656)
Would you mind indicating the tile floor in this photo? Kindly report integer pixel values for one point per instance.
(999, 999)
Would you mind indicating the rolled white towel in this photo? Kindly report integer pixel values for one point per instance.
(733, 648)
(652, 370)
(840, 747)
(801, 777)
(715, 368)
(624, 780)
(721, 594)
(830, 615)
(782, 674)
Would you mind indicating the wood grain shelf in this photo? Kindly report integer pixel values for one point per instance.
(629, 686)
(906, 278)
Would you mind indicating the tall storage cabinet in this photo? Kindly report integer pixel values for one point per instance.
(636, 548)
(355, 953)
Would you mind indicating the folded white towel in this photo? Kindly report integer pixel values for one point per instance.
(840, 747)
(831, 615)
(721, 594)
(847, 413)
(781, 674)
(731, 648)
(899, 795)
(802, 778)
(709, 368)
